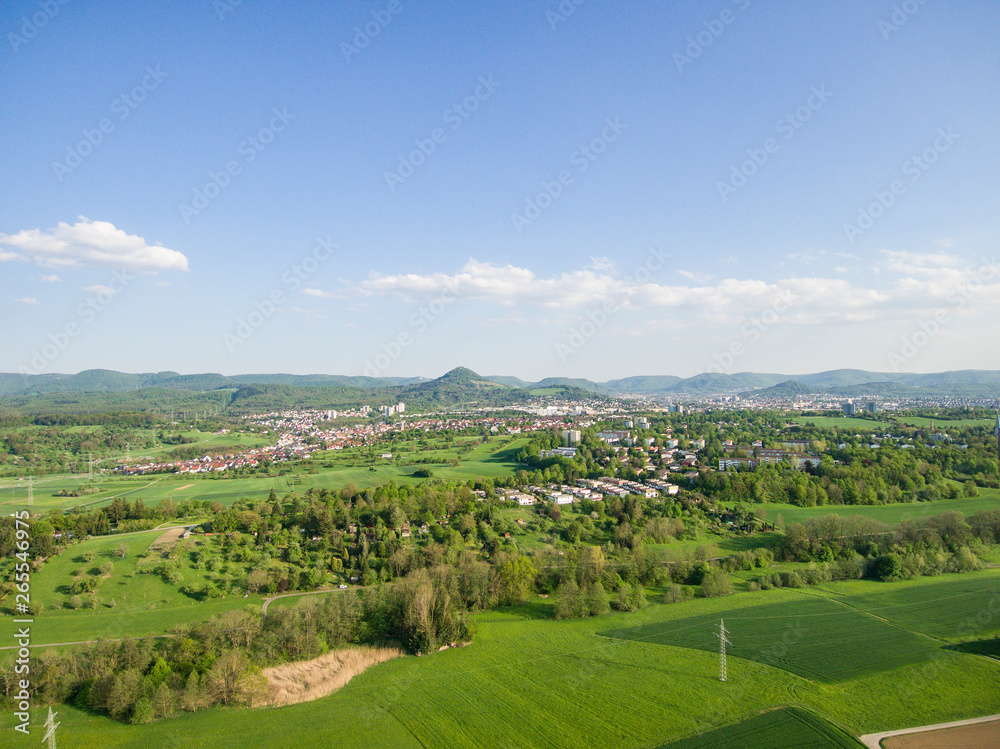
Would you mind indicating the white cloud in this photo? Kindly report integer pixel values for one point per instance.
(319, 293)
(916, 283)
(51, 279)
(92, 243)
(27, 300)
(100, 289)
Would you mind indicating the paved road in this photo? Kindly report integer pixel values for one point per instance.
(873, 740)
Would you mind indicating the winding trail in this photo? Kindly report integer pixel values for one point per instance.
(267, 601)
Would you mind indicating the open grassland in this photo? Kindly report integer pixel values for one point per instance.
(785, 728)
(331, 470)
(925, 421)
(132, 602)
(893, 514)
(843, 422)
(529, 680)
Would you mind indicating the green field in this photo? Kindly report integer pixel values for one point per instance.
(815, 638)
(528, 680)
(144, 604)
(892, 514)
(843, 422)
(971, 607)
(785, 728)
(330, 470)
(925, 421)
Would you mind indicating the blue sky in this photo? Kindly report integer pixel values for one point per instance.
(400, 188)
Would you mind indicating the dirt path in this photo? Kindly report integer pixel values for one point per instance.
(167, 539)
(81, 642)
(873, 740)
(267, 601)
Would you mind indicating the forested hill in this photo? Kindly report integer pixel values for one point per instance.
(458, 388)
(463, 385)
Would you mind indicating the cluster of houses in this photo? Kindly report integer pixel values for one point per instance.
(756, 454)
(592, 489)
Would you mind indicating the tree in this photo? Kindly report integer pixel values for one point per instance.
(716, 584)
(569, 601)
(516, 577)
(256, 580)
(164, 702)
(597, 600)
(227, 677)
(674, 594)
(121, 550)
(886, 567)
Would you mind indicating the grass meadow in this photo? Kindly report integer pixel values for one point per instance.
(529, 680)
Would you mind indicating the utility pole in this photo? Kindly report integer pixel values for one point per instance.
(31, 494)
(723, 641)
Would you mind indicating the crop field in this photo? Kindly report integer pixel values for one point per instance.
(892, 514)
(529, 680)
(786, 728)
(954, 609)
(815, 638)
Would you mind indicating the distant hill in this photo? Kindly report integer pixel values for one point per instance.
(789, 389)
(104, 388)
(514, 382)
(570, 382)
(643, 384)
(712, 382)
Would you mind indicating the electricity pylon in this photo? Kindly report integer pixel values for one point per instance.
(723, 641)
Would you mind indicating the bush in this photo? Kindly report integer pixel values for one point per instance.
(675, 594)
(716, 584)
(886, 567)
